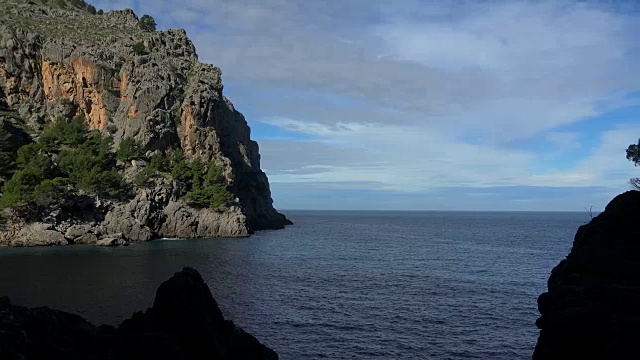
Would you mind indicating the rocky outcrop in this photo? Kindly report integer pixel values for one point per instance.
(592, 307)
(39, 235)
(145, 85)
(184, 323)
(155, 212)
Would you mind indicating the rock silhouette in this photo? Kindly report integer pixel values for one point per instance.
(592, 307)
(184, 323)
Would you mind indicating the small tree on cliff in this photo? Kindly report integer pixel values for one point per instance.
(147, 23)
(6, 160)
(129, 149)
(139, 49)
(633, 155)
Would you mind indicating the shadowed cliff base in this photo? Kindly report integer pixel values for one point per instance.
(592, 307)
(184, 323)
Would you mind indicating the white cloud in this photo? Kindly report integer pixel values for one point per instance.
(544, 64)
(608, 160)
(475, 68)
(439, 91)
(401, 158)
(564, 140)
(408, 159)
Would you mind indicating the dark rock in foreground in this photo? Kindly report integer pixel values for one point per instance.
(184, 323)
(592, 307)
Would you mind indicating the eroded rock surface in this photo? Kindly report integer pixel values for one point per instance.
(155, 212)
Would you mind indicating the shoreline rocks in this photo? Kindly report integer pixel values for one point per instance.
(154, 213)
(183, 323)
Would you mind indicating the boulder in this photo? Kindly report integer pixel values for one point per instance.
(112, 240)
(38, 234)
(76, 231)
(138, 163)
(122, 221)
(87, 239)
(185, 222)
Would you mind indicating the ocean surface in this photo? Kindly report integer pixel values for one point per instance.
(336, 285)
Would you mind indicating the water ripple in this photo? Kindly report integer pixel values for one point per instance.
(342, 285)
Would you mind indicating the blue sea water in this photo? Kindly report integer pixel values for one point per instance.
(336, 285)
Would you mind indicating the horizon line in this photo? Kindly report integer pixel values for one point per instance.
(495, 211)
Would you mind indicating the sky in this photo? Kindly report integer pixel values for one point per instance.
(427, 105)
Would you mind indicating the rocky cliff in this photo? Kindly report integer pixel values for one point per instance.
(60, 59)
(184, 323)
(592, 307)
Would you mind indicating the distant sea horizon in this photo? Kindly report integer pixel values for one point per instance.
(282, 210)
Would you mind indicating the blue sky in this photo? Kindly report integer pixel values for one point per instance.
(427, 105)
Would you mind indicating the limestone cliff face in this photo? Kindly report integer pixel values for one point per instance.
(66, 61)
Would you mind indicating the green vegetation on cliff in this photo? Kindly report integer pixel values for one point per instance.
(633, 155)
(147, 23)
(204, 184)
(6, 157)
(207, 188)
(67, 158)
(66, 19)
(129, 149)
(139, 49)
(69, 4)
(12, 137)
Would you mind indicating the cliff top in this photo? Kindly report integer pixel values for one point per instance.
(76, 5)
(69, 19)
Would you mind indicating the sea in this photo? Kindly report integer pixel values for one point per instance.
(336, 285)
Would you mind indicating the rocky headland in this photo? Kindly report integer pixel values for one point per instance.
(63, 60)
(184, 323)
(592, 307)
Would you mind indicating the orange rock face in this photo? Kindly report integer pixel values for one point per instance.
(80, 83)
(189, 138)
(123, 85)
(58, 81)
(132, 111)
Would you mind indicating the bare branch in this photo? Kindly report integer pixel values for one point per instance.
(590, 211)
